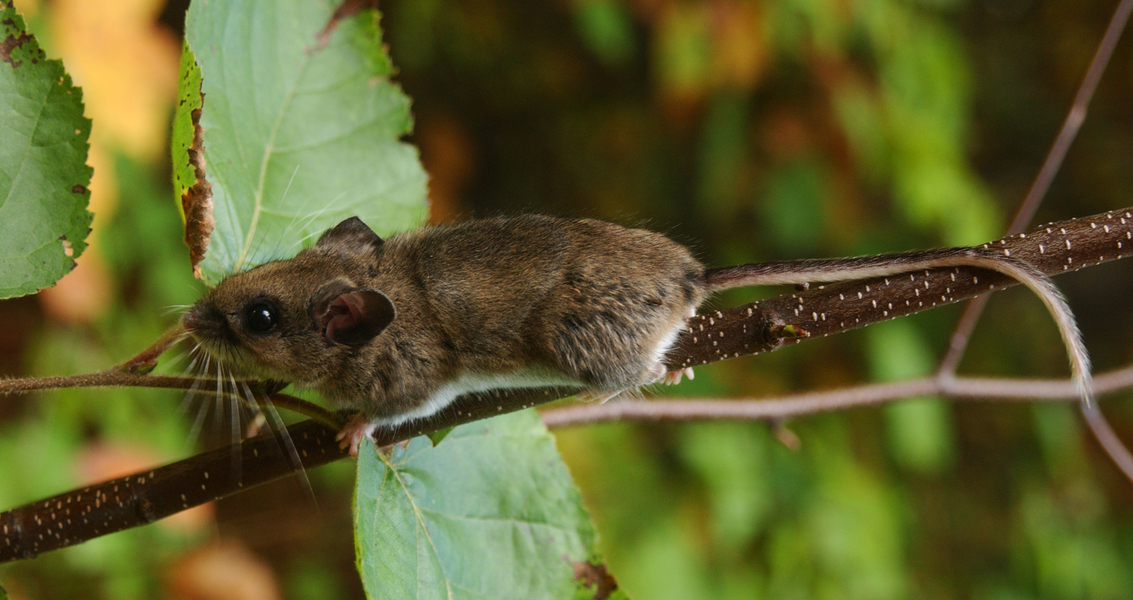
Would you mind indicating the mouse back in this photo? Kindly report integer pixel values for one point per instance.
(588, 298)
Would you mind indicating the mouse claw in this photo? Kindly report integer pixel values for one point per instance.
(674, 377)
(354, 432)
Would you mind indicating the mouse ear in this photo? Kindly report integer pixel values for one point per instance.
(354, 317)
(352, 236)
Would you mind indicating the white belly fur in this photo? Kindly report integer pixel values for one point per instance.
(526, 377)
(667, 343)
(469, 382)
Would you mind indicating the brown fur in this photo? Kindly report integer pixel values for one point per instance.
(588, 299)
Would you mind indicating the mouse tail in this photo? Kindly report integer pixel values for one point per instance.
(808, 271)
(723, 278)
(825, 270)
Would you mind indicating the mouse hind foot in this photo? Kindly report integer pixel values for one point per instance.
(357, 429)
(674, 377)
(659, 374)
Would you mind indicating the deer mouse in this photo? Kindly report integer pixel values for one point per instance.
(399, 328)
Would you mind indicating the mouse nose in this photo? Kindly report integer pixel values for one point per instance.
(202, 318)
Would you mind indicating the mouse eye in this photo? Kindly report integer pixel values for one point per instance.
(261, 316)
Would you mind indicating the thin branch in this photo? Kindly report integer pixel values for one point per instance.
(1074, 117)
(307, 409)
(122, 378)
(777, 408)
(1050, 167)
(145, 497)
(109, 378)
(146, 360)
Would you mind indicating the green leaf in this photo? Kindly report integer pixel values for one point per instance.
(490, 513)
(191, 186)
(44, 220)
(437, 436)
(301, 127)
(188, 100)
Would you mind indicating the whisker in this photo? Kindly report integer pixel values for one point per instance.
(311, 218)
(192, 391)
(216, 416)
(178, 358)
(281, 428)
(256, 418)
(272, 255)
(198, 422)
(234, 428)
(175, 308)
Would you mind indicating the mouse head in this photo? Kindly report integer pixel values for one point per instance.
(295, 320)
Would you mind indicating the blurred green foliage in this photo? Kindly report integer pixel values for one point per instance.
(750, 131)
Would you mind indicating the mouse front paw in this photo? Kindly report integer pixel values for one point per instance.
(355, 431)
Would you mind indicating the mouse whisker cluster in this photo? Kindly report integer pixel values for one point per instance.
(245, 407)
(191, 395)
(203, 368)
(280, 428)
(176, 309)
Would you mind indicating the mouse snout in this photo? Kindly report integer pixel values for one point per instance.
(203, 319)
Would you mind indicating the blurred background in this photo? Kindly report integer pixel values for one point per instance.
(749, 130)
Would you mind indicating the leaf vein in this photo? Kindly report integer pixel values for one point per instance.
(421, 523)
(269, 147)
